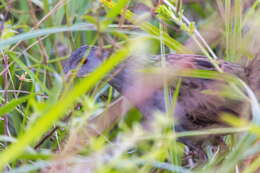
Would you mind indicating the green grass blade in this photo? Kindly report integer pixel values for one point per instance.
(149, 28)
(41, 32)
(58, 110)
(114, 12)
(13, 103)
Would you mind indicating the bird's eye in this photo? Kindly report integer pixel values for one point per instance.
(84, 61)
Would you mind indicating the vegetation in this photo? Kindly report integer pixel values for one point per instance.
(46, 115)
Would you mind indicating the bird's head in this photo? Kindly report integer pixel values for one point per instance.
(84, 60)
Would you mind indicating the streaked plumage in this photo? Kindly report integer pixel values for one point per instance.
(195, 109)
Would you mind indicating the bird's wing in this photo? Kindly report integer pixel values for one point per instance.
(201, 99)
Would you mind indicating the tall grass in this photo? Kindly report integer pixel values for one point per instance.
(47, 116)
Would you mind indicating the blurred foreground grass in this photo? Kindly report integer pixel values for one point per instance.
(45, 114)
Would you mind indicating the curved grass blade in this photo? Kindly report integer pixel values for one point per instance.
(41, 32)
(57, 110)
(151, 29)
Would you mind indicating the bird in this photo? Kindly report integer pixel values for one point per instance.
(197, 107)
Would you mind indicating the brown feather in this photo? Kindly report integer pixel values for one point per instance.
(195, 109)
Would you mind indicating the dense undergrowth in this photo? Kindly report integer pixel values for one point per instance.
(46, 116)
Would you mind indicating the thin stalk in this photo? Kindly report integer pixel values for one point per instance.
(165, 85)
(196, 32)
(227, 26)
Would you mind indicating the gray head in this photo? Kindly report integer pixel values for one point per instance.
(85, 59)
